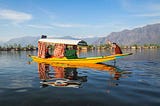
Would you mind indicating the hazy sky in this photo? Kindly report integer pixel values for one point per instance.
(77, 18)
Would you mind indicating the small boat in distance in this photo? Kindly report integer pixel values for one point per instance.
(65, 51)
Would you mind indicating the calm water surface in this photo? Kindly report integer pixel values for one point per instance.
(134, 80)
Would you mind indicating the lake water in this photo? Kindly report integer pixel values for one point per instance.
(134, 80)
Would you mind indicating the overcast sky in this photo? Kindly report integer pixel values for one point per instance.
(77, 18)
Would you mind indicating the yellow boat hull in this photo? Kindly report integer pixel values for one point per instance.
(79, 60)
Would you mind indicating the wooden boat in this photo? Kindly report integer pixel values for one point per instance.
(64, 60)
(59, 56)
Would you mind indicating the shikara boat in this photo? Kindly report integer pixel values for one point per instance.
(59, 57)
(64, 60)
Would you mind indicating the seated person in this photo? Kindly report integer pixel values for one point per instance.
(71, 53)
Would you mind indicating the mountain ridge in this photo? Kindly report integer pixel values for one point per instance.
(149, 34)
(26, 40)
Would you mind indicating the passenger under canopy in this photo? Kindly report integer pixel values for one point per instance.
(59, 44)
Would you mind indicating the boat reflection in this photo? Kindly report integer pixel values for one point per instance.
(59, 76)
(66, 75)
(115, 72)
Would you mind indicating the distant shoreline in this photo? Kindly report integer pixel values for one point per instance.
(89, 47)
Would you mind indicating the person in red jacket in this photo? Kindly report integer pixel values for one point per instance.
(116, 49)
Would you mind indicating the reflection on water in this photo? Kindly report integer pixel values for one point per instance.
(135, 80)
(66, 74)
(59, 76)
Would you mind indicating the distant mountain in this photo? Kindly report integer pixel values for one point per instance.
(149, 34)
(24, 40)
(90, 40)
(66, 37)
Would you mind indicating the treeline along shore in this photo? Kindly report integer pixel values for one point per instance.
(135, 46)
(30, 47)
(18, 47)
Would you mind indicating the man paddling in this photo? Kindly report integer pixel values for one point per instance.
(115, 47)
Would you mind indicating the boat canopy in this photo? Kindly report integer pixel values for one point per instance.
(65, 41)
